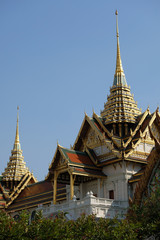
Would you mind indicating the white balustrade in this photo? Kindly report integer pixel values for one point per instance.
(102, 207)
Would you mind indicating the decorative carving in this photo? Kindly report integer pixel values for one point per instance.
(92, 138)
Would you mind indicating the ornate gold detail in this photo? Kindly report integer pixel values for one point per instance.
(16, 167)
(120, 105)
(92, 138)
(119, 68)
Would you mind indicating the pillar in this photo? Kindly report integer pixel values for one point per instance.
(126, 129)
(114, 128)
(71, 186)
(55, 188)
(120, 129)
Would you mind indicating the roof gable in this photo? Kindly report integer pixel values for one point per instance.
(77, 162)
(93, 131)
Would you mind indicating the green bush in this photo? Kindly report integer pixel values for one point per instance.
(141, 222)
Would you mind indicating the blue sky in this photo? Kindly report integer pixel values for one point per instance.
(57, 61)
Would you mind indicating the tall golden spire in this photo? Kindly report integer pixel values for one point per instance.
(119, 76)
(17, 145)
(16, 167)
(17, 127)
(119, 68)
(120, 106)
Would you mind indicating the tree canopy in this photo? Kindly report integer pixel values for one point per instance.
(141, 222)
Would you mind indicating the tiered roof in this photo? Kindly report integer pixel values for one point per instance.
(120, 105)
(16, 167)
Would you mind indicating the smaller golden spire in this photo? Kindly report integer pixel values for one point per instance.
(17, 127)
(119, 67)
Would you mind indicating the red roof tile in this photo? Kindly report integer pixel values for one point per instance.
(79, 158)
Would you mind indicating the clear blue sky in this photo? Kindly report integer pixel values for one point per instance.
(57, 60)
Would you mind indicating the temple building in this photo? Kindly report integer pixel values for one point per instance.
(114, 161)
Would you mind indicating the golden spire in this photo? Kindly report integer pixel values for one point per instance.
(17, 127)
(16, 167)
(119, 67)
(120, 106)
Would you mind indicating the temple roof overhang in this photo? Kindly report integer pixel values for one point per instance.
(36, 194)
(68, 161)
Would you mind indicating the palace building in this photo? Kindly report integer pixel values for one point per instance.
(114, 161)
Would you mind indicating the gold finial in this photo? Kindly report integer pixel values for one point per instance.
(117, 23)
(17, 127)
(119, 67)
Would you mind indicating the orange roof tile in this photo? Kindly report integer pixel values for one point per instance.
(79, 158)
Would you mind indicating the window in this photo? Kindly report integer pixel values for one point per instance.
(111, 194)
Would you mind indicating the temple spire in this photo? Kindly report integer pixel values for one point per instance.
(119, 76)
(119, 67)
(17, 145)
(120, 106)
(17, 127)
(16, 167)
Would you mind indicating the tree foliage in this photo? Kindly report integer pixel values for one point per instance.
(140, 223)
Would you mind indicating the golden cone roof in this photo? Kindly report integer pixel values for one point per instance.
(16, 166)
(120, 105)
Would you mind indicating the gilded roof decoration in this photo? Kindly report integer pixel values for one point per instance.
(120, 105)
(16, 167)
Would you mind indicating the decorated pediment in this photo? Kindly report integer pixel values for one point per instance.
(92, 138)
(61, 161)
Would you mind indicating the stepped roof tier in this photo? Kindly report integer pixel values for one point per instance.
(120, 105)
(16, 167)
